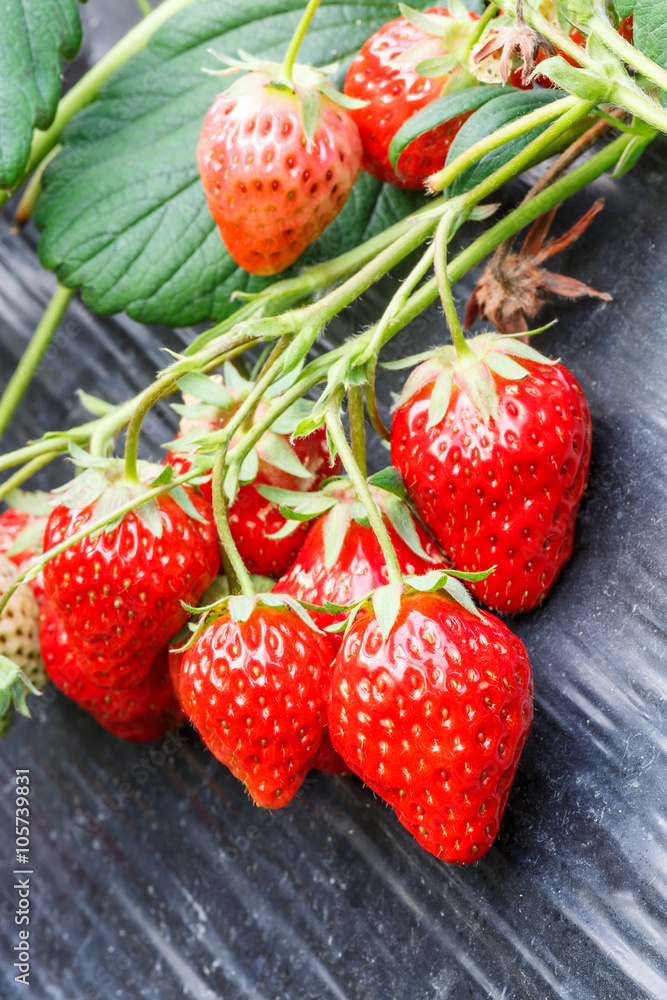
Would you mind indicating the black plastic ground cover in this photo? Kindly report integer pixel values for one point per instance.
(154, 875)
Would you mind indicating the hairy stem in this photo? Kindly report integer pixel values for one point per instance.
(355, 403)
(445, 289)
(358, 480)
(297, 38)
(222, 523)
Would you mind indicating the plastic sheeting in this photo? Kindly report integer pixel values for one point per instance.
(154, 875)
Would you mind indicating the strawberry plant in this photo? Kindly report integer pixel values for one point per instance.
(247, 210)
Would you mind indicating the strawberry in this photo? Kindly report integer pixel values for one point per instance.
(22, 534)
(139, 713)
(298, 466)
(120, 592)
(277, 160)
(256, 690)
(341, 560)
(433, 717)
(495, 453)
(396, 72)
(21, 666)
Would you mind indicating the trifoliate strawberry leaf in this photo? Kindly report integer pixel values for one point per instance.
(124, 217)
(650, 30)
(496, 113)
(34, 37)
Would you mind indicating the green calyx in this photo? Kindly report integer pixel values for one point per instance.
(488, 357)
(337, 503)
(102, 486)
(14, 686)
(210, 403)
(308, 84)
(446, 48)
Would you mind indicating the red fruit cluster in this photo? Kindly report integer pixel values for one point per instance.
(15, 525)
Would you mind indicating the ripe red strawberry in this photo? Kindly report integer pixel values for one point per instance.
(385, 74)
(120, 593)
(495, 455)
(21, 539)
(300, 465)
(274, 179)
(341, 560)
(256, 690)
(434, 719)
(140, 713)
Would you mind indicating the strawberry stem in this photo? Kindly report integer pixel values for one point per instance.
(297, 38)
(355, 404)
(358, 480)
(463, 352)
(23, 474)
(480, 27)
(33, 354)
(222, 524)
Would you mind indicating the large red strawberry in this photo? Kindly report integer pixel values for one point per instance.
(341, 560)
(434, 717)
(396, 73)
(120, 593)
(298, 466)
(277, 160)
(140, 713)
(495, 452)
(256, 690)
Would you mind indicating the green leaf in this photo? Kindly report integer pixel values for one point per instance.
(204, 388)
(650, 29)
(124, 218)
(312, 506)
(439, 111)
(34, 36)
(386, 605)
(579, 82)
(625, 7)
(501, 110)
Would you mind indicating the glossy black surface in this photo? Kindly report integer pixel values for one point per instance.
(156, 878)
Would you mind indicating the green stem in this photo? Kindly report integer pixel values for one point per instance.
(222, 523)
(86, 90)
(443, 178)
(33, 355)
(33, 191)
(358, 480)
(600, 25)
(23, 474)
(35, 568)
(297, 38)
(480, 27)
(463, 352)
(355, 402)
(145, 7)
(376, 420)
(164, 386)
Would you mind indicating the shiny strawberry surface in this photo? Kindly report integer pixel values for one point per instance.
(434, 719)
(257, 691)
(120, 593)
(139, 713)
(505, 495)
